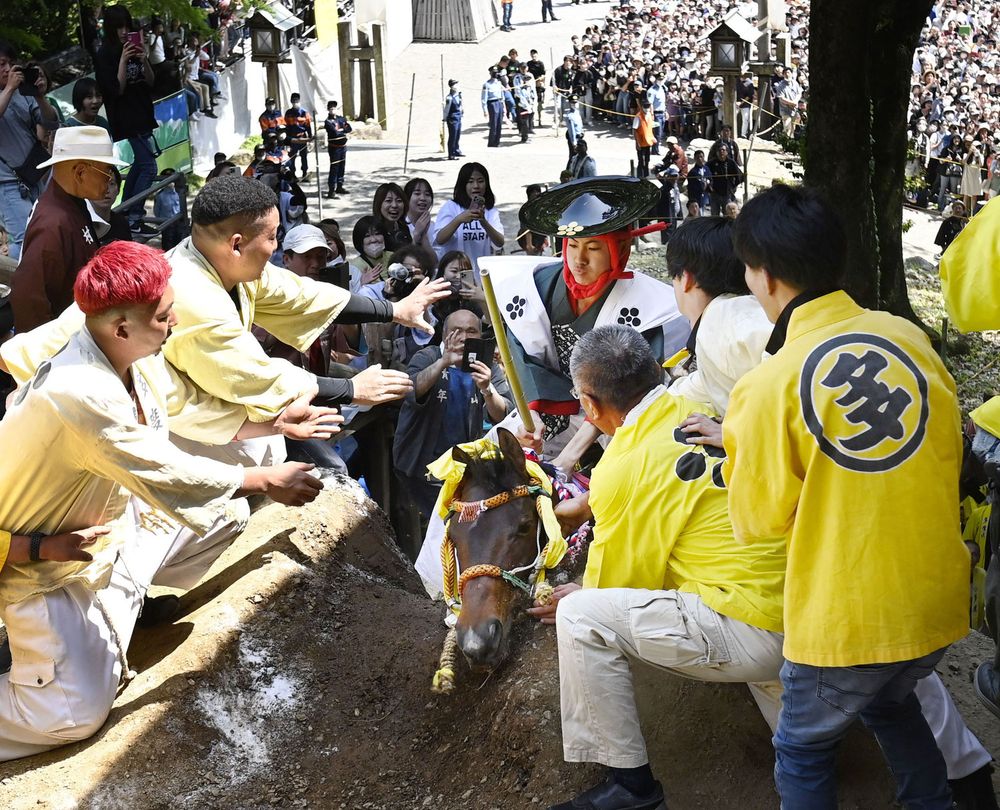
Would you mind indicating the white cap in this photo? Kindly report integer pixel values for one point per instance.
(303, 238)
(82, 143)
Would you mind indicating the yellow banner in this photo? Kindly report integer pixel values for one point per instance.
(326, 21)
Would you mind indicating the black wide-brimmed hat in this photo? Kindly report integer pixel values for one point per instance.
(589, 207)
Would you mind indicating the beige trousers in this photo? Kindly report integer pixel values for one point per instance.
(66, 645)
(601, 629)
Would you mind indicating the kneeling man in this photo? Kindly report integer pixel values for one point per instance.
(666, 582)
(76, 554)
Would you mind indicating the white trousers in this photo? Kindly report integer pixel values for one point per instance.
(601, 630)
(67, 646)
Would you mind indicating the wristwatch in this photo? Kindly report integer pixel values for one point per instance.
(34, 552)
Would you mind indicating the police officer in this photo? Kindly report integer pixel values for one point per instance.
(337, 130)
(453, 119)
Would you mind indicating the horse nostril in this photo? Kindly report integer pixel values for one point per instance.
(494, 632)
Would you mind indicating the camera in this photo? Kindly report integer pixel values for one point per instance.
(400, 272)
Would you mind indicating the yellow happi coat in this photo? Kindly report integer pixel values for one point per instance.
(848, 442)
(661, 520)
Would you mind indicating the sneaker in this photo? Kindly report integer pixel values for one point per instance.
(158, 610)
(142, 229)
(195, 116)
(209, 114)
(987, 684)
(609, 795)
(330, 195)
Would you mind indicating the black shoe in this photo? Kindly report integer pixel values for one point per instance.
(987, 685)
(554, 19)
(341, 190)
(460, 154)
(209, 114)
(975, 791)
(330, 195)
(609, 795)
(142, 229)
(158, 610)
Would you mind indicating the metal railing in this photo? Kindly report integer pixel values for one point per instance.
(159, 226)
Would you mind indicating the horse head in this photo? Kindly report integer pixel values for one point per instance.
(504, 536)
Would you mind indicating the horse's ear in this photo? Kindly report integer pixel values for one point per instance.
(459, 455)
(511, 450)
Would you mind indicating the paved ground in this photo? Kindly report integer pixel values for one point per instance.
(513, 166)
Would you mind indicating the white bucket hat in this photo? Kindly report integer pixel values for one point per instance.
(82, 143)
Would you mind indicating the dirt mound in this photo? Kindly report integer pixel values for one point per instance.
(299, 676)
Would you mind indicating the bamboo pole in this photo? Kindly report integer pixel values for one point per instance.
(504, 347)
(409, 122)
(319, 184)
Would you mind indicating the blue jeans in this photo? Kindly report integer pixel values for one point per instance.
(507, 9)
(193, 100)
(209, 78)
(16, 200)
(140, 175)
(820, 704)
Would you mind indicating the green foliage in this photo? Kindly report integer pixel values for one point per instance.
(38, 28)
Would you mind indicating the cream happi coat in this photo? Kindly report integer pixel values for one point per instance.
(81, 451)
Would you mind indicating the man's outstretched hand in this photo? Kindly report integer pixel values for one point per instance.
(290, 483)
(376, 385)
(302, 420)
(410, 311)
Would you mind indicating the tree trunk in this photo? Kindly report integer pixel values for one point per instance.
(839, 132)
(860, 59)
(897, 25)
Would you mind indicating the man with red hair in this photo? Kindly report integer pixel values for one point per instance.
(76, 553)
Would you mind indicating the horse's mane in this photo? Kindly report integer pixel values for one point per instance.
(490, 471)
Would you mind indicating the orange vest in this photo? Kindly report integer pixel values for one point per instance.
(644, 132)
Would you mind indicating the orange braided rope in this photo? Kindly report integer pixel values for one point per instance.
(474, 571)
(468, 511)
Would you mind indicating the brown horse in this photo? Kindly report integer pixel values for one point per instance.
(505, 536)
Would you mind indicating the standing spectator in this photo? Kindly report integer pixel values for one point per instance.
(298, 132)
(726, 177)
(21, 116)
(61, 237)
(699, 181)
(971, 187)
(746, 97)
(573, 123)
(582, 164)
(658, 101)
(547, 10)
(446, 407)
(789, 91)
(337, 130)
(508, 7)
(563, 78)
(643, 129)
(470, 221)
(87, 101)
(537, 69)
(950, 169)
(493, 98)
(452, 117)
(524, 101)
(126, 78)
(271, 120)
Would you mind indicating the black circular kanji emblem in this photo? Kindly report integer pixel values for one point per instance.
(629, 316)
(515, 309)
(690, 466)
(717, 478)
